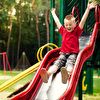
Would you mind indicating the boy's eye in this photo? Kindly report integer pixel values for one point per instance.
(68, 25)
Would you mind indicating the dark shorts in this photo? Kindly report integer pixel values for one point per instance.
(66, 60)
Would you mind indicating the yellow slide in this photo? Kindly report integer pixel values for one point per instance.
(19, 77)
(29, 70)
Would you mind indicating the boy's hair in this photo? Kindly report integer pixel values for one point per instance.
(69, 17)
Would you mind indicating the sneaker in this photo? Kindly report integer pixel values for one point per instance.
(64, 75)
(44, 75)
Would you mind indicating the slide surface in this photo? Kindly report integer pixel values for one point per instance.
(33, 91)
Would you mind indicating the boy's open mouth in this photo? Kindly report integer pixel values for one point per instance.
(68, 29)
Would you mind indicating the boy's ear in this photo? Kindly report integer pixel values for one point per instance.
(75, 24)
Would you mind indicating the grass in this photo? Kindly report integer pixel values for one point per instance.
(96, 81)
(96, 89)
(8, 74)
(16, 85)
(96, 85)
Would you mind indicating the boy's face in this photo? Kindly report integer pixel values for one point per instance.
(69, 25)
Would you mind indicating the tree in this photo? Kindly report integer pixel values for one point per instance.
(19, 31)
(39, 8)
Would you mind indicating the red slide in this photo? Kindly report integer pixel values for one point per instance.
(82, 57)
(31, 91)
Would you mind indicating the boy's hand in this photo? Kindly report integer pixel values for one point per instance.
(53, 10)
(56, 19)
(91, 5)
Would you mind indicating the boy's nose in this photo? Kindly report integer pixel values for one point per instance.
(68, 26)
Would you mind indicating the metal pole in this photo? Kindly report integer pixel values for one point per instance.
(80, 86)
(52, 26)
(61, 17)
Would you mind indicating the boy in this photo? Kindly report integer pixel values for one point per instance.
(70, 45)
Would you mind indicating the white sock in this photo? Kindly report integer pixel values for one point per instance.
(52, 69)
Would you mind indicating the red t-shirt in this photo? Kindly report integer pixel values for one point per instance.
(70, 40)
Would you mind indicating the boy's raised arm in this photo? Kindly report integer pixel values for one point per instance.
(83, 20)
(56, 19)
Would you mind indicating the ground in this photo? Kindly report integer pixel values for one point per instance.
(3, 95)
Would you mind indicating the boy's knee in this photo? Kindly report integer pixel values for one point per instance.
(72, 59)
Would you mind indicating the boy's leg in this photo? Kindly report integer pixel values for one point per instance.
(67, 70)
(45, 74)
(52, 69)
(57, 64)
(70, 63)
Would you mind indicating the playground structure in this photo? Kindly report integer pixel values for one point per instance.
(34, 87)
(29, 70)
(5, 62)
(24, 94)
(23, 62)
(32, 90)
(65, 8)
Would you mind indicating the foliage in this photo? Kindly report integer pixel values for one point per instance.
(22, 14)
(40, 6)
